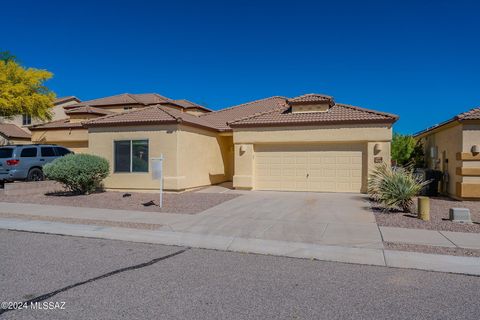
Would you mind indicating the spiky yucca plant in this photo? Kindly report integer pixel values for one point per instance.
(394, 187)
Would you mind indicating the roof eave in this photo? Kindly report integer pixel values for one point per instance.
(310, 123)
(437, 128)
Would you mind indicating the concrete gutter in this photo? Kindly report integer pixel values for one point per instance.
(367, 256)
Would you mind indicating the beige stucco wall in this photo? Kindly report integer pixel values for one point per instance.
(121, 108)
(204, 157)
(196, 112)
(451, 141)
(448, 142)
(471, 137)
(74, 139)
(192, 157)
(306, 108)
(162, 140)
(75, 118)
(4, 141)
(57, 113)
(366, 135)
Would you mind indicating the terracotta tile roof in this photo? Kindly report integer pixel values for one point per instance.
(125, 98)
(156, 114)
(57, 124)
(65, 99)
(220, 119)
(264, 112)
(472, 114)
(189, 105)
(339, 113)
(10, 130)
(88, 110)
(310, 98)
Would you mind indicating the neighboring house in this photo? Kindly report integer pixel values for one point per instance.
(308, 143)
(11, 134)
(69, 131)
(22, 123)
(453, 147)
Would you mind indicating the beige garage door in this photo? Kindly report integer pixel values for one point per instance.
(323, 168)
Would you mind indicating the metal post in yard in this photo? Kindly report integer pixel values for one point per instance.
(161, 181)
(157, 174)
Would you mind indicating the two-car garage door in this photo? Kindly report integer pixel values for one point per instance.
(323, 168)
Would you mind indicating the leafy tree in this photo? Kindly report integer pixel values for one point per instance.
(7, 56)
(418, 155)
(22, 90)
(402, 148)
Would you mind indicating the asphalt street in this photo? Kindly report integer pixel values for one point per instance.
(85, 278)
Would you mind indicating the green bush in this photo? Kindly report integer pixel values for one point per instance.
(394, 188)
(402, 148)
(79, 173)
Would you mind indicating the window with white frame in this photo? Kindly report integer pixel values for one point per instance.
(26, 120)
(131, 156)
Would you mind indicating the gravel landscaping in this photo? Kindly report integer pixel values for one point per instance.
(186, 202)
(431, 249)
(439, 211)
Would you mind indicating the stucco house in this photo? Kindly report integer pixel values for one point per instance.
(307, 143)
(68, 130)
(453, 147)
(12, 134)
(16, 130)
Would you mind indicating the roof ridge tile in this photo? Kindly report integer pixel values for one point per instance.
(241, 105)
(118, 114)
(258, 114)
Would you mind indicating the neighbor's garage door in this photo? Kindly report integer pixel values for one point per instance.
(324, 168)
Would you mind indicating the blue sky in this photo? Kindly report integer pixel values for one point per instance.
(418, 59)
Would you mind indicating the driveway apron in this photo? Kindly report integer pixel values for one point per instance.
(321, 218)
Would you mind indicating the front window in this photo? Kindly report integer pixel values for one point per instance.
(26, 120)
(131, 156)
(127, 108)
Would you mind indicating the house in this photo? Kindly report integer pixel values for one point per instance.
(306, 143)
(12, 134)
(69, 132)
(16, 130)
(453, 147)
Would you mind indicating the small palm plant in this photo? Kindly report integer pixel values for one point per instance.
(394, 188)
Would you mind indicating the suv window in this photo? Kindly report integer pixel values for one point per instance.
(6, 153)
(28, 153)
(62, 151)
(48, 152)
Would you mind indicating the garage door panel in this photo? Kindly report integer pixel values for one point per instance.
(321, 168)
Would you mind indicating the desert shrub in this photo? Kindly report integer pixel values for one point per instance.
(394, 188)
(79, 173)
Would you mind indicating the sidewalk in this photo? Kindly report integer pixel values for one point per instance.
(242, 242)
(379, 257)
(431, 237)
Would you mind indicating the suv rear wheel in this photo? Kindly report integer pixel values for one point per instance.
(35, 174)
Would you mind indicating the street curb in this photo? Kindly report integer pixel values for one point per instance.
(364, 256)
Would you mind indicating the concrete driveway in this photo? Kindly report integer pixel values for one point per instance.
(319, 218)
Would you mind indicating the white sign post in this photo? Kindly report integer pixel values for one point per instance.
(157, 174)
